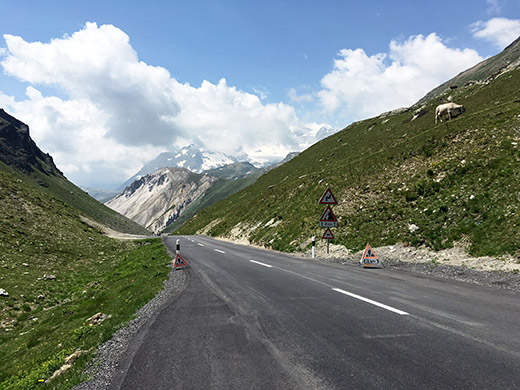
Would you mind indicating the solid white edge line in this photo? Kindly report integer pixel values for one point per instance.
(257, 262)
(218, 250)
(392, 309)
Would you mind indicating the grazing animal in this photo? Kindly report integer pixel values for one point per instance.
(450, 109)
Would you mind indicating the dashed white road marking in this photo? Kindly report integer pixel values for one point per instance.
(392, 309)
(199, 244)
(257, 262)
(218, 250)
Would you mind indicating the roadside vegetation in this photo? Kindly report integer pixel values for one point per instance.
(398, 178)
(58, 272)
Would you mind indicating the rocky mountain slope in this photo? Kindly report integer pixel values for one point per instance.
(17, 149)
(163, 205)
(399, 178)
(158, 198)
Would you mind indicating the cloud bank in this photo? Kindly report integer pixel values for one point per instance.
(121, 112)
(499, 31)
(362, 85)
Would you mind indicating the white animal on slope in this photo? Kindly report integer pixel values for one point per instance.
(451, 109)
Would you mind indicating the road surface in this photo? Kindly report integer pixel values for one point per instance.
(255, 319)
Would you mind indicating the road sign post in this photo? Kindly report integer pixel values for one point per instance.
(328, 219)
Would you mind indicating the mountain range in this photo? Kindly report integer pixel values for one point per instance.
(189, 157)
(198, 160)
(165, 198)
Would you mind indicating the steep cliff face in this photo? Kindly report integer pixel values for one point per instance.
(157, 199)
(19, 150)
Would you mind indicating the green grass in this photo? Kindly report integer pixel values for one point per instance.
(456, 181)
(44, 320)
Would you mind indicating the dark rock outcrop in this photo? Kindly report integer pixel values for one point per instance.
(19, 150)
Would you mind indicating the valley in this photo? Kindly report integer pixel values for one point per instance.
(435, 198)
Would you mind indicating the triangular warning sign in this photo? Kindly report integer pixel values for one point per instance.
(328, 235)
(328, 197)
(370, 259)
(368, 253)
(179, 261)
(328, 216)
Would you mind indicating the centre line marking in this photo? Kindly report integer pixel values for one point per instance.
(400, 312)
(218, 250)
(257, 262)
(199, 244)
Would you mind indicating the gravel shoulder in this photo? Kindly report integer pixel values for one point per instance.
(454, 263)
(104, 367)
(110, 232)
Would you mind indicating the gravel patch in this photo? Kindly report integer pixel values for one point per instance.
(103, 367)
(425, 262)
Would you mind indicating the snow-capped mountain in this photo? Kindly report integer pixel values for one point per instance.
(190, 157)
(156, 199)
(198, 160)
(312, 134)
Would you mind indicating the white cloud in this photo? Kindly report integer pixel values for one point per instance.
(119, 111)
(99, 65)
(293, 95)
(74, 132)
(361, 85)
(499, 31)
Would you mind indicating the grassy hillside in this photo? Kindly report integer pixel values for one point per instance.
(457, 181)
(58, 272)
(64, 190)
(21, 157)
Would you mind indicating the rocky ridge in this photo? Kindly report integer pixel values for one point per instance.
(19, 150)
(155, 200)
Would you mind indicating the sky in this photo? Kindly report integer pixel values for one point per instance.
(105, 86)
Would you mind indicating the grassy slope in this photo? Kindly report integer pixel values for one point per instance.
(64, 190)
(93, 274)
(458, 181)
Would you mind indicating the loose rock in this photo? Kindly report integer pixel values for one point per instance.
(98, 318)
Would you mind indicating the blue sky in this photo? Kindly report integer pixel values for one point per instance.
(107, 85)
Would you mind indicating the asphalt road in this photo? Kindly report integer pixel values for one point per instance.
(255, 319)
